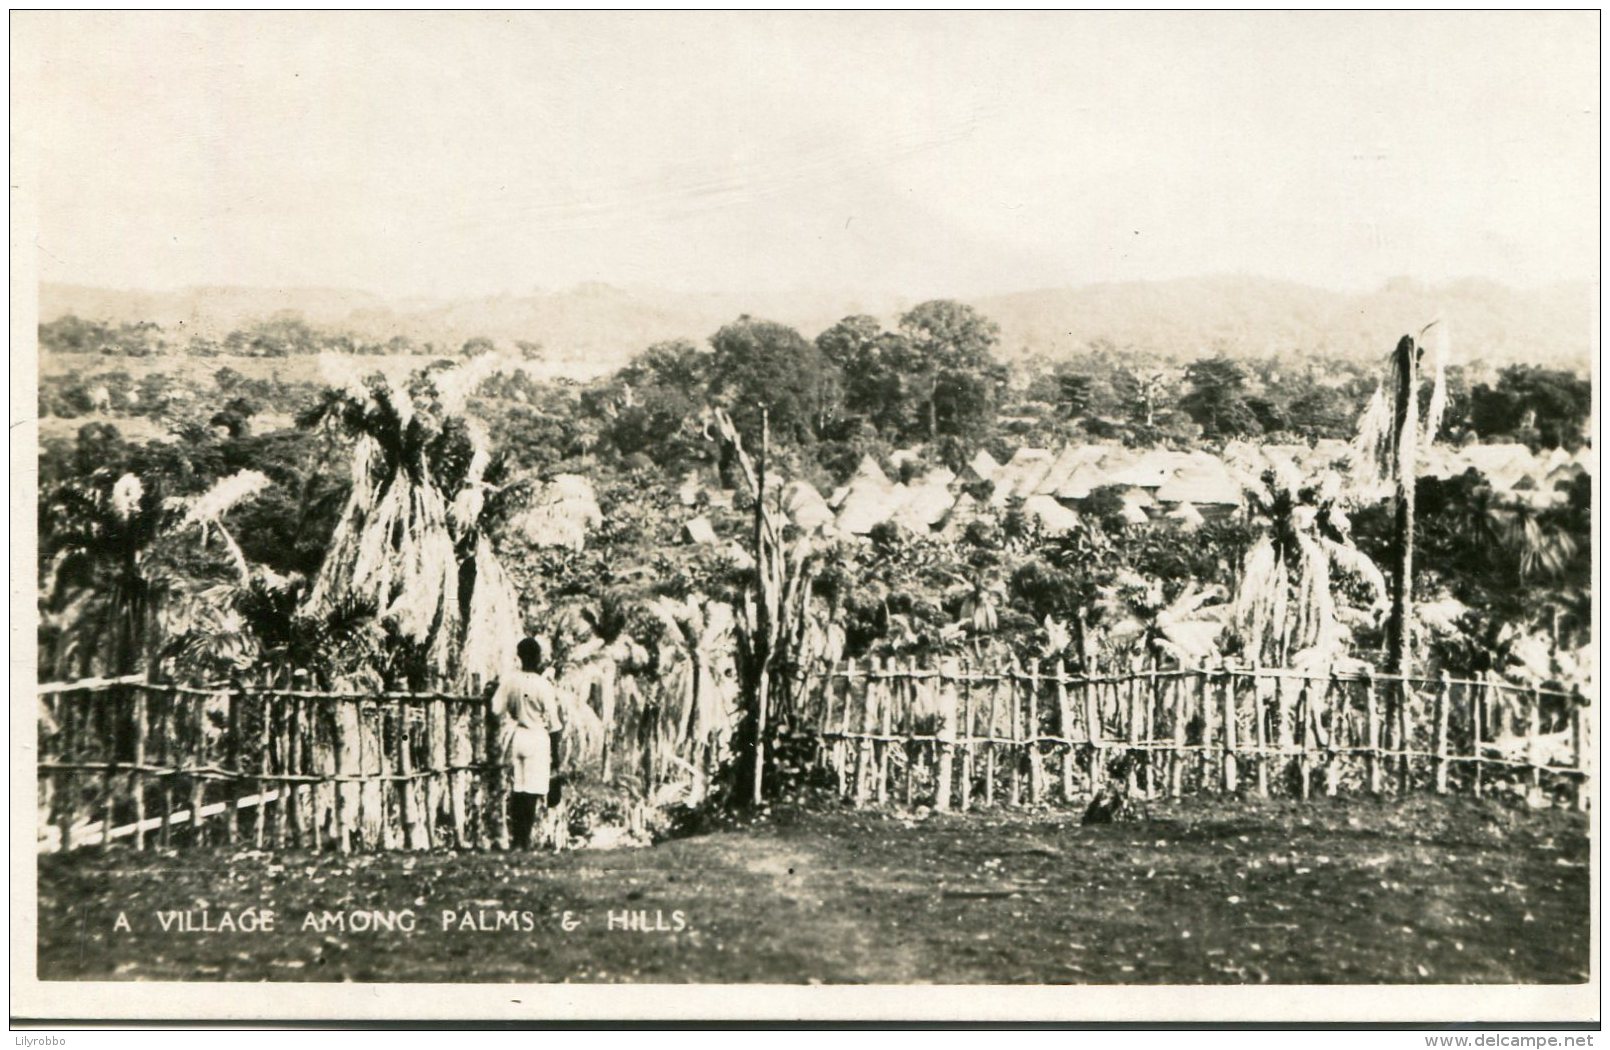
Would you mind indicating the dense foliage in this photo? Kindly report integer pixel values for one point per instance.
(931, 385)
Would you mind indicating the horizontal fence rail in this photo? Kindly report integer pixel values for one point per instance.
(277, 765)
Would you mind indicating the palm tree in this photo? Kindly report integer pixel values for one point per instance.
(1389, 438)
(121, 589)
(1286, 607)
(695, 705)
(413, 539)
(99, 583)
(1185, 629)
(603, 661)
(1540, 551)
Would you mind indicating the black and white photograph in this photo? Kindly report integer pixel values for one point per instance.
(1021, 516)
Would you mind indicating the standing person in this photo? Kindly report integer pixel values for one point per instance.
(532, 725)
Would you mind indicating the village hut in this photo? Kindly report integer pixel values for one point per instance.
(868, 503)
(1078, 485)
(1052, 516)
(962, 513)
(982, 467)
(1148, 471)
(805, 506)
(868, 470)
(1186, 516)
(1502, 465)
(1133, 515)
(1020, 475)
(922, 506)
(698, 531)
(1207, 490)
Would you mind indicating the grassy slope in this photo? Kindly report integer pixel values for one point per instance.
(1427, 890)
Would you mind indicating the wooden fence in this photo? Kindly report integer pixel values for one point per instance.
(268, 764)
(955, 736)
(273, 764)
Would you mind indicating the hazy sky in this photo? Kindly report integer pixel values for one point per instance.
(908, 154)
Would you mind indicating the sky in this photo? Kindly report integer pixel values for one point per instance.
(453, 155)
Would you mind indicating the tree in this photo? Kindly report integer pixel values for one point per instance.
(1287, 609)
(1552, 402)
(952, 358)
(236, 416)
(1217, 398)
(764, 364)
(655, 400)
(1390, 436)
(1139, 614)
(1076, 394)
(873, 365)
(413, 541)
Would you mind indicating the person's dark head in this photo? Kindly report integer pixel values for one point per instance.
(532, 655)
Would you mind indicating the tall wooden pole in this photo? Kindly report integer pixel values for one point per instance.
(762, 574)
(1405, 442)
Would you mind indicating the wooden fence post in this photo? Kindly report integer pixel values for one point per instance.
(891, 689)
(1231, 777)
(405, 769)
(1534, 744)
(1478, 711)
(841, 745)
(66, 782)
(1208, 711)
(1405, 739)
(293, 758)
(141, 709)
(198, 783)
(1372, 730)
(1065, 728)
(1336, 705)
(1580, 756)
(1092, 705)
(1032, 737)
(989, 738)
(907, 694)
(947, 736)
(1260, 730)
(1132, 734)
(285, 797)
(260, 818)
(968, 744)
(498, 784)
(1305, 699)
(1014, 735)
(107, 752)
(1176, 781)
(232, 761)
(1440, 740)
(864, 744)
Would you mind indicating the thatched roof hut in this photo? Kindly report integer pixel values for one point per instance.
(1020, 475)
(805, 506)
(982, 467)
(698, 531)
(1052, 516)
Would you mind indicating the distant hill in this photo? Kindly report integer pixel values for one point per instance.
(1180, 319)
(1256, 317)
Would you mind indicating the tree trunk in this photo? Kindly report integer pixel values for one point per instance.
(1405, 431)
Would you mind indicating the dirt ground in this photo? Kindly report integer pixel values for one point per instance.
(1333, 891)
